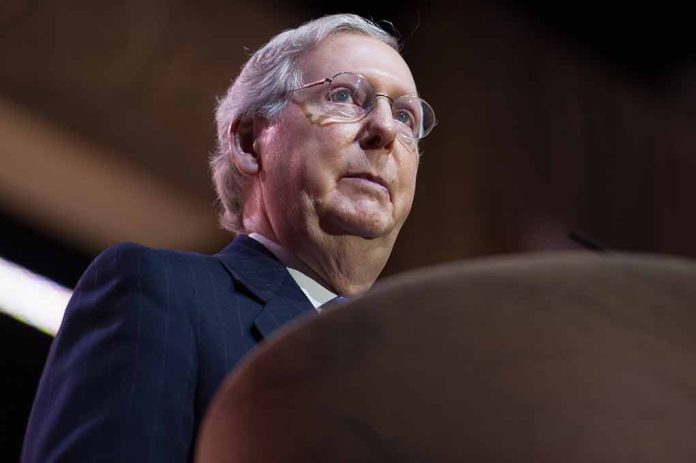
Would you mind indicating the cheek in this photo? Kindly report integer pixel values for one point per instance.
(326, 153)
(409, 172)
(335, 139)
(407, 181)
(311, 156)
(309, 170)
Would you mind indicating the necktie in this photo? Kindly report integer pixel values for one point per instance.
(334, 302)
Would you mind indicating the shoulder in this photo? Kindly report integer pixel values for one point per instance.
(128, 279)
(132, 262)
(131, 256)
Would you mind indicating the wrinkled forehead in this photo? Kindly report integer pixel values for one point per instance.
(383, 66)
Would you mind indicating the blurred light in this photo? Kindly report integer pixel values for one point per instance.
(31, 298)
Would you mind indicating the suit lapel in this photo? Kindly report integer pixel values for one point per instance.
(268, 280)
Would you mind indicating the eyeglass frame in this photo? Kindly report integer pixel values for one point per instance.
(329, 80)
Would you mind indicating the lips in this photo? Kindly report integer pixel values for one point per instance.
(369, 177)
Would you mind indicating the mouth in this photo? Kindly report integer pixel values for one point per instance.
(370, 178)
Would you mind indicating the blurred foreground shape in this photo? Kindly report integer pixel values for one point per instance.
(559, 357)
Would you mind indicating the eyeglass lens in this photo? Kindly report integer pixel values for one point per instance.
(352, 97)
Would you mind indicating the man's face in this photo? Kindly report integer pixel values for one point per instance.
(340, 178)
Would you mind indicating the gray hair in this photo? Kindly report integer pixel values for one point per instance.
(262, 88)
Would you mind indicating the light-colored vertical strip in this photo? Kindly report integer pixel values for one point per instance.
(31, 298)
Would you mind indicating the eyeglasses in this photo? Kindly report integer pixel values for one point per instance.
(351, 97)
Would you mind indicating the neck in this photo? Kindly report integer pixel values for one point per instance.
(349, 264)
(346, 264)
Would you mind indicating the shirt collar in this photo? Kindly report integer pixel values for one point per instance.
(317, 294)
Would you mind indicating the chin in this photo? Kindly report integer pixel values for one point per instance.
(365, 226)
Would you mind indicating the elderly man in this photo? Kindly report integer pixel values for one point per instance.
(315, 171)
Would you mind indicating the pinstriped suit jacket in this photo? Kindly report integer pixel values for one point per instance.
(146, 340)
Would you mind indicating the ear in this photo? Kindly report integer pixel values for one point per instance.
(242, 138)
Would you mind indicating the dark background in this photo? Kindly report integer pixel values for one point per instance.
(572, 116)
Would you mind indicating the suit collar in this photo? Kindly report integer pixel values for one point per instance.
(254, 266)
(258, 270)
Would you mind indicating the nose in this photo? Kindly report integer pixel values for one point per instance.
(379, 130)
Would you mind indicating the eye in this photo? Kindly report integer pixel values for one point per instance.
(405, 117)
(341, 95)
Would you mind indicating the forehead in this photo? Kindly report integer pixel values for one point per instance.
(378, 62)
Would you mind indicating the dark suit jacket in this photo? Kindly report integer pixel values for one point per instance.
(146, 340)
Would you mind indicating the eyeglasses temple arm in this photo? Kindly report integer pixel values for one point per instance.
(312, 84)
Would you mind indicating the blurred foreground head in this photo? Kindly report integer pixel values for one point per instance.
(567, 357)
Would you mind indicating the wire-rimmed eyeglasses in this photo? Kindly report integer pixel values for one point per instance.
(351, 97)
